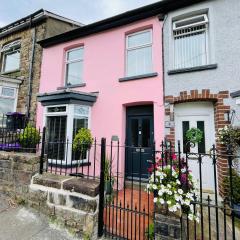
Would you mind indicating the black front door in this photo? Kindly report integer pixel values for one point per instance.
(139, 141)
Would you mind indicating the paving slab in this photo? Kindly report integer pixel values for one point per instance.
(21, 223)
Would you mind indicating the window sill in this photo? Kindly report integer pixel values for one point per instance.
(193, 69)
(72, 86)
(9, 72)
(137, 77)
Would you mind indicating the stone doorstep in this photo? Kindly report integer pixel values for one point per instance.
(84, 186)
(50, 180)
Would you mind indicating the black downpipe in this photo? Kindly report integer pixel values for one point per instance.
(30, 74)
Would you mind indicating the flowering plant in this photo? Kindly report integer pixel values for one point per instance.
(229, 135)
(175, 187)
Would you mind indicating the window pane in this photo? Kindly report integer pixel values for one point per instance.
(74, 73)
(11, 61)
(201, 145)
(79, 123)
(56, 109)
(146, 133)
(134, 133)
(139, 39)
(6, 105)
(75, 54)
(8, 92)
(139, 61)
(56, 137)
(185, 128)
(190, 50)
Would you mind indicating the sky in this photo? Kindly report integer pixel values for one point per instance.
(84, 11)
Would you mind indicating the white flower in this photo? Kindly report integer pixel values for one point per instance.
(161, 201)
(178, 182)
(154, 186)
(180, 191)
(168, 185)
(169, 192)
(155, 200)
(160, 192)
(169, 202)
(187, 202)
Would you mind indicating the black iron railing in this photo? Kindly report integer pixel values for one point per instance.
(127, 207)
(17, 133)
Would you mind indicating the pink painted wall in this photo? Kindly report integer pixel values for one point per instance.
(104, 64)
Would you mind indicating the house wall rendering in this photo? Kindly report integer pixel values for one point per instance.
(207, 74)
(104, 64)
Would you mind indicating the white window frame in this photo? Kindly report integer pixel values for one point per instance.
(69, 131)
(175, 28)
(150, 44)
(72, 61)
(10, 48)
(13, 87)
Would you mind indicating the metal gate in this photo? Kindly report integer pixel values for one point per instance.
(128, 210)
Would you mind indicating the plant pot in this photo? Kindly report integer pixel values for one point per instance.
(108, 187)
(236, 207)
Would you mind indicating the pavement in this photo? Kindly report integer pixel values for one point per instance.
(21, 223)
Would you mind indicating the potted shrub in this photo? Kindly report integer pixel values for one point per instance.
(82, 141)
(108, 177)
(29, 138)
(236, 192)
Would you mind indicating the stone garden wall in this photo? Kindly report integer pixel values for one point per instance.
(68, 201)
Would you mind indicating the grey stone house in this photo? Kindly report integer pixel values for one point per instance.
(20, 59)
(202, 74)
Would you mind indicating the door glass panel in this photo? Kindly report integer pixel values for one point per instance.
(185, 128)
(134, 133)
(201, 145)
(146, 133)
(56, 136)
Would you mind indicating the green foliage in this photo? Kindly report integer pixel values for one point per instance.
(83, 140)
(107, 170)
(30, 137)
(229, 135)
(194, 135)
(150, 231)
(235, 186)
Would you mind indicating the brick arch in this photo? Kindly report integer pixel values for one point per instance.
(219, 114)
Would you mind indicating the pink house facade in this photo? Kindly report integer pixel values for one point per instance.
(110, 81)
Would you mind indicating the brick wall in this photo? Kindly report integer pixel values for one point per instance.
(219, 114)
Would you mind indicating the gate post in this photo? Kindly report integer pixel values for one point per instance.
(42, 151)
(101, 188)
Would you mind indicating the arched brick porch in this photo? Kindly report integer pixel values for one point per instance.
(220, 109)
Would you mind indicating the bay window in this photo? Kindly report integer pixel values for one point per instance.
(74, 66)
(190, 38)
(139, 53)
(62, 123)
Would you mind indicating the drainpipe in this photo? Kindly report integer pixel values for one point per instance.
(163, 58)
(30, 75)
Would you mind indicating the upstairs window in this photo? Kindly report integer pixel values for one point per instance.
(11, 56)
(74, 66)
(190, 42)
(139, 53)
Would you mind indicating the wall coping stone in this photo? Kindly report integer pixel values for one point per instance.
(85, 186)
(30, 158)
(50, 180)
